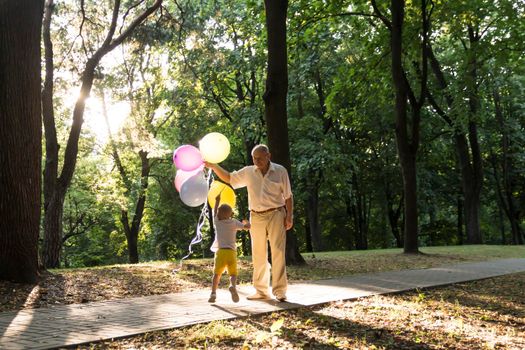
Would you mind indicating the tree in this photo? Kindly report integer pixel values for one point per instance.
(20, 139)
(275, 100)
(134, 151)
(505, 162)
(407, 127)
(55, 185)
(479, 37)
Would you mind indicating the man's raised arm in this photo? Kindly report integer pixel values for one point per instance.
(223, 174)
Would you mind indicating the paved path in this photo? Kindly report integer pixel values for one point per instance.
(68, 325)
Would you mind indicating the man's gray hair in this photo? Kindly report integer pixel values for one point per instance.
(261, 147)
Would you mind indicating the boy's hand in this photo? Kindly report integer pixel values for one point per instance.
(246, 224)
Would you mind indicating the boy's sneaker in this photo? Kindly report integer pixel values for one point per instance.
(235, 296)
(213, 296)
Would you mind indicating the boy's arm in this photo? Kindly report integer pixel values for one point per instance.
(216, 206)
(246, 224)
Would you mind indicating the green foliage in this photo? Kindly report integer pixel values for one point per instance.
(200, 67)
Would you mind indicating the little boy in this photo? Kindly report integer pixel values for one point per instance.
(225, 247)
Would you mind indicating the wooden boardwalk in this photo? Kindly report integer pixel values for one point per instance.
(67, 325)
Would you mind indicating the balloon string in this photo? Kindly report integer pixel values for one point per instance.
(202, 219)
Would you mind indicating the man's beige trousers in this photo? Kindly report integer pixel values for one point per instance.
(269, 227)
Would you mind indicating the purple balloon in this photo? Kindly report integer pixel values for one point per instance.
(187, 158)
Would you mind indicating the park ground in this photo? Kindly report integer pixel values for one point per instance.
(484, 314)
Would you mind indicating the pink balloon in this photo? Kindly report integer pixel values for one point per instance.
(182, 176)
(187, 158)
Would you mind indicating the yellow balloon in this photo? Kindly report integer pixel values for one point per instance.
(227, 194)
(214, 147)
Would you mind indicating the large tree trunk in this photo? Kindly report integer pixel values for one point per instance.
(20, 139)
(55, 188)
(275, 101)
(406, 144)
(473, 188)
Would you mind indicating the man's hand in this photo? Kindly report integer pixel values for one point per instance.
(224, 175)
(288, 221)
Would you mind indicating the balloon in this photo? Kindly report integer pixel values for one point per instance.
(187, 157)
(227, 194)
(214, 147)
(193, 191)
(183, 175)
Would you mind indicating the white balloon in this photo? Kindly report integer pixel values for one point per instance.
(214, 147)
(194, 190)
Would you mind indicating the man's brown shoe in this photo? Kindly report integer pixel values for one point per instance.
(281, 298)
(259, 296)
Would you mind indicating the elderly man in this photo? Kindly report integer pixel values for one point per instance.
(271, 214)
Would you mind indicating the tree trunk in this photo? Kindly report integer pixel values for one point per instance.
(411, 213)
(393, 218)
(132, 231)
(406, 144)
(312, 210)
(275, 101)
(139, 208)
(508, 202)
(55, 201)
(473, 187)
(307, 235)
(56, 188)
(20, 139)
(470, 190)
(392, 214)
(468, 151)
(52, 244)
(358, 206)
(48, 113)
(501, 223)
(131, 239)
(460, 219)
